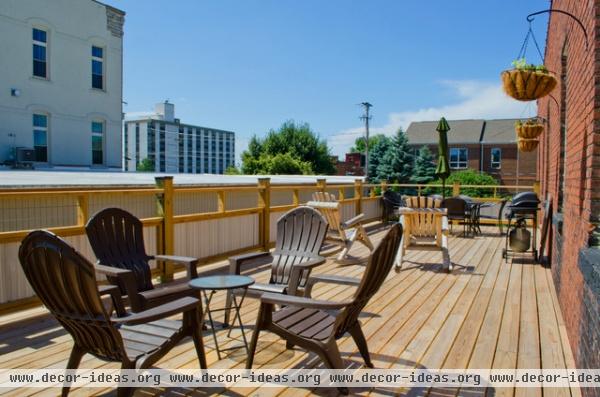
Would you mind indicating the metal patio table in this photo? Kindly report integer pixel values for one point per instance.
(223, 283)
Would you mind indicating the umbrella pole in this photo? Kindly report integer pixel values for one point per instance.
(443, 188)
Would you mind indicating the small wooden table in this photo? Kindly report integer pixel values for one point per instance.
(429, 224)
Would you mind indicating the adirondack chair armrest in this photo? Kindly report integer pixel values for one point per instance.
(445, 228)
(115, 295)
(311, 263)
(126, 279)
(353, 221)
(159, 312)
(328, 278)
(236, 262)
(298, 269)
(189, 262)
(299, 301)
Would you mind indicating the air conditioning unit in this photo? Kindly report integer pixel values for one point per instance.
(25, 156)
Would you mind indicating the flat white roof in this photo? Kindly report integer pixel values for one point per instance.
(56, 179)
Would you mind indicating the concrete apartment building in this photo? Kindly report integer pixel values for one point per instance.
(172, 146)
(61, 83)
(482, 145)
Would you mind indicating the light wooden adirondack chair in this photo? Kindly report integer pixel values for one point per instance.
(341, 233)
(424, 221)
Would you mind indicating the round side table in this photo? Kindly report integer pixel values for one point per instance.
(223, 283)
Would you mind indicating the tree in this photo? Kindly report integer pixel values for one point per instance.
(359, 143)
(424, 170)
(232, 170)
(396, 162)
(146, 165)
(376, 154)
(298, 141)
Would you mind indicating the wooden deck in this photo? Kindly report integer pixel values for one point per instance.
(486, 314)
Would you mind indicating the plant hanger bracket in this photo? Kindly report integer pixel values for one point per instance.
(531, 16)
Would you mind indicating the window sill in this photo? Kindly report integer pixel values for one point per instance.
(98, 90)
(42, 79)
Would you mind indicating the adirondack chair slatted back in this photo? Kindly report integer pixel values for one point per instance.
(423, 225)
(378, 268)
(300, 234)
(117, 238)
(323, 196)
(331, 211)
(65, 282)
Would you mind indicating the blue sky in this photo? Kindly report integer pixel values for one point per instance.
(247, 66)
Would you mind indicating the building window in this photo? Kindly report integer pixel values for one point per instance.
(162, 148)
(151, 145)
(496, 158)
(97, 67)
(190, 152)
(40, 53)
(458, 158)
(40, 137)
(181, 152)
(97, 142)
(126, 147)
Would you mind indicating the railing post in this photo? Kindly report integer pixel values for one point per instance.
(383, 187)
(321, 184)
(536, 188)
(295, 197)
(221, 201)
(419, 191)
(341, 194)
(495, 191)
(455, 189)
(82, 209)
(265, 221)
(165, 210)
(358, 195)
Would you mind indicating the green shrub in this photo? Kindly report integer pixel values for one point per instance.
(465, 177)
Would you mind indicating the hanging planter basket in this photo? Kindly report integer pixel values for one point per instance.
(527, 145)
(527, 85)
(529, 129)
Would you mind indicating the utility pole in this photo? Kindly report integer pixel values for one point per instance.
(366, 117)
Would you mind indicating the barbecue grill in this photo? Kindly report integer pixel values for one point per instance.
(525, 206)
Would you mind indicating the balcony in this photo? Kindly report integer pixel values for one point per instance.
(487, 313)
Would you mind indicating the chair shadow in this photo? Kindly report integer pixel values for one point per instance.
(39, 340)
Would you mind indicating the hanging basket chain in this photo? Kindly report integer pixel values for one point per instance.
(523, 50)
(524, 45)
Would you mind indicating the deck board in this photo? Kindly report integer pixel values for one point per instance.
(487, 313)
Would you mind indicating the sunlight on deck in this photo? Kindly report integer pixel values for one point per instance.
(487, 314)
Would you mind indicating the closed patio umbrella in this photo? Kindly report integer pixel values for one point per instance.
(443, 167)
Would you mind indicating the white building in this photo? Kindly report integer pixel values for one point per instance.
(61, 82)
(171, 146)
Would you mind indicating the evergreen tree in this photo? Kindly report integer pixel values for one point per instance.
(424, 170)
(376, 154)
(396, 162)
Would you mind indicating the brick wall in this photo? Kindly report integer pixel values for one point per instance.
(569, 167)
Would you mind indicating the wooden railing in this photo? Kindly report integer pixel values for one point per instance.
(208, 222)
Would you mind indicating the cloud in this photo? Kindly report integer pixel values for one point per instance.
(474, 100)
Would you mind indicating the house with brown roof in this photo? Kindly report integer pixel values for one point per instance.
(489, 146)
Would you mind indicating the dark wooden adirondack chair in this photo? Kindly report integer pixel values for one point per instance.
(117, 238)
(300, 235)
(66, 284)
(315, 325)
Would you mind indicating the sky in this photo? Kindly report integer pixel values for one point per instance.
(249, 65)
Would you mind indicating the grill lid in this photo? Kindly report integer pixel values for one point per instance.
(525, 199)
